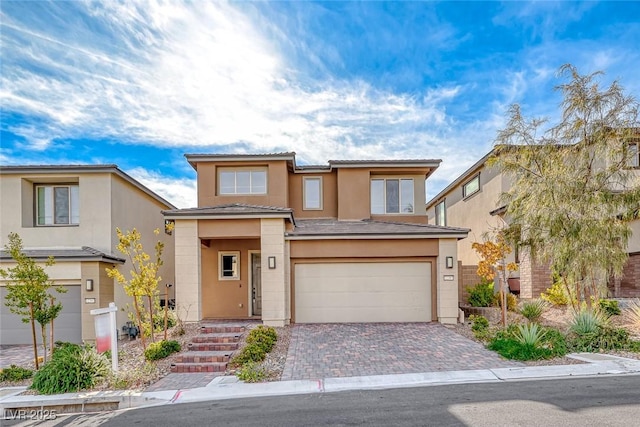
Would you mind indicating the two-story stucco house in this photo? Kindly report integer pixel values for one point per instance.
(343, 242)
(71, 213)
(472, 201)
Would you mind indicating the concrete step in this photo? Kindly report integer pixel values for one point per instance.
(198, 367)
(210, 328)
(203, 356)
(209, 346)
(231, 337)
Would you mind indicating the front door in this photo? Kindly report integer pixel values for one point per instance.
(256, 287)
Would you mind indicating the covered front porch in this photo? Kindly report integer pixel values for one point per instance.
(232, 262)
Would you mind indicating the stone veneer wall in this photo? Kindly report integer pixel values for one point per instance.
(468, 277)
(535, 278)
(629, 284)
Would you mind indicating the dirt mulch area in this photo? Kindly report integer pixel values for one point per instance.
(273, 364)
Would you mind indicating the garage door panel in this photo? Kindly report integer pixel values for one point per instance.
(67, 326)
(363, 292)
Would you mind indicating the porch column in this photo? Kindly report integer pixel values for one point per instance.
(274, 283)
(447, 281)
(187, 270)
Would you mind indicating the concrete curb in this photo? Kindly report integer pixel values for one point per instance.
(226, 387)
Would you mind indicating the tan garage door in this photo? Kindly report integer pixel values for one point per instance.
(363, 292)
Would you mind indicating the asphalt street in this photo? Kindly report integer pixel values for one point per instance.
(605, 401)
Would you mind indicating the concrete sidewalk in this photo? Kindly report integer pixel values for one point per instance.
(228, 387)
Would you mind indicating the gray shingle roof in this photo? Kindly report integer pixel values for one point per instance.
(229, 209)
(85, 253)
(333, 227)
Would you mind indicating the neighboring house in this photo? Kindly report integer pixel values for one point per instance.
(71, 212)
(345, 242)
(472, 201)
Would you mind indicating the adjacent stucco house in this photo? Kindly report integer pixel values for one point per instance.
(71, 212)
(472, 201)
(343, 242)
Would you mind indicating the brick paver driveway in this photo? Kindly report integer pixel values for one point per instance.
(356, 349)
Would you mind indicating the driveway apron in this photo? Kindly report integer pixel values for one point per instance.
(357, 349)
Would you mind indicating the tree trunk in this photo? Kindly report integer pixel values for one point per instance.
(153, 336)
(166, 311)
(43, 332)
(33, 336)
(51, 341)
(137, 307)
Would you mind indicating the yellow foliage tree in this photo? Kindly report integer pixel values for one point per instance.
(493, 262)
(143, 284)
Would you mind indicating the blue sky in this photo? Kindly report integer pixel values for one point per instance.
(139, 83)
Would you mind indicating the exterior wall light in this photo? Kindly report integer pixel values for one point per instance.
(272, 262)
(449, 262)
(89, 285)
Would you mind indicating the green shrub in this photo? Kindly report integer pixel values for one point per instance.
(264, 337)
(604, 338)
(251, 372)
(586, 322)
(556, 294)
(71, 368)
(249, 353)
(512, 301)
(524, 343)
(480, 327)
(530, 334)
(161, 349)
(481, 295)
(533, 310)
(609, 307)
(15, 373)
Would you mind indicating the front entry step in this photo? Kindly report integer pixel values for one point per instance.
(211, 350)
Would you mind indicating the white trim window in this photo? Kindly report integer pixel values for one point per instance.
(392, 196)
(441, 214)
(229, 265)
(634, 155)
(57, 205)
(471, 187)
(312, 193)
(242, 181)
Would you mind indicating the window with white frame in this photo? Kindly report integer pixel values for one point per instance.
(392, 196)
(441, 214)
(472, 186)
(633, 155)
(242, 181)
(312, 193)
(229, 265)
(57, 204)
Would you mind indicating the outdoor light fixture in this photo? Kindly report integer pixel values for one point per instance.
(272, 262)
(89, 284)
(449, 260)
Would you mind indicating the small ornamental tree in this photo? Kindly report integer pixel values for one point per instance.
(493, 263)
(573, 192)
(28, 293)
(143, 284)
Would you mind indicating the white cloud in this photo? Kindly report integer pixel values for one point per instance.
(201, 74)
(181, 192)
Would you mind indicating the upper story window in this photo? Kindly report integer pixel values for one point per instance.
(57, 205)
(242, 181)
(634, 155)
(312, 193)
(392, 196)
(441, 214)
(472, 186)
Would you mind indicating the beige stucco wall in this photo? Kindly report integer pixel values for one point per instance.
(447, 289)
(17, 212)
(228, 228)
(634, 241)
(228, 298)
(277, 188)
(274, 282)
(103, 293)
(329, 195)
(187, 270)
